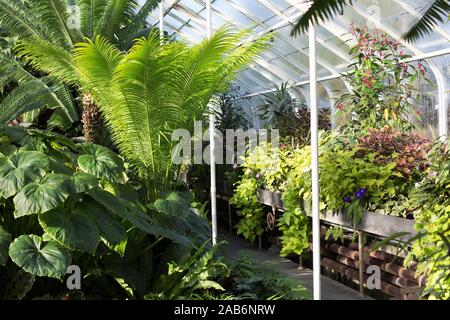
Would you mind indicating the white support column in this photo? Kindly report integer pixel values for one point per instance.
(161, 21)
(314, 162)
(442, 102)
(212, 144)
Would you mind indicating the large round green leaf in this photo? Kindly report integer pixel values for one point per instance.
(82, 182)
(19, 169)
(76, 230)
(100, 162)
(7, 149)
(38, 257)
(110, 229)
(42, 196)
(122, 209)
(5, 240)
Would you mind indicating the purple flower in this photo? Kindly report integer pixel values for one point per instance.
(347, 199)
(361, 193)
(258, 176)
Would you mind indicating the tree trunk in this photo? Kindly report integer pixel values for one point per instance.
(91, 119)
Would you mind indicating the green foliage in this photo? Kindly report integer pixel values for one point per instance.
(54, 211)
(350, 181)
(336, 233)
(294, 222)
(251, 280)
(191, 277)
(263, 168)
(382, 87)
(119, 21)
(151, 91)
(39, 257)
(319, 10)
(229, 112)
(246, 201)
(277, 105)
(282, 111)
(435, 12)
(432, 247)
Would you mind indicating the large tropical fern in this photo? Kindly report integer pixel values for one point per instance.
(437, 11)
(120, 21)
(154, 89)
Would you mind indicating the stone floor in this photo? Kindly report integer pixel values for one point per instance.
(331, 290)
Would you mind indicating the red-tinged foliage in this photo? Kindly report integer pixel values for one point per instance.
(408, 150)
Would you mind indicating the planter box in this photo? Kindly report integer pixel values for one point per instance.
(371, 222)
(375, 223)
(269, 198)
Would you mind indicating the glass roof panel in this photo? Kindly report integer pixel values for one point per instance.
(288, 57)
(257, 9)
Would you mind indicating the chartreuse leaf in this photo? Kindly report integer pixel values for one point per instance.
(75, 230)
(19, 169)
(42, 196)
(101, 162)
(5, 240)
(38, 257)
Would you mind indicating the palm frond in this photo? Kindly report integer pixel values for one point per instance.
(15, 18)
(115, 13)
(319, 10)
(436, 12)
(54, 14)
(137, 26)
(50, 93)
(91, 12)
(50, 58)
(26, 97)
(140, 17)
(152, 90)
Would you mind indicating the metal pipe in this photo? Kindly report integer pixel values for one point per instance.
(212, 143)
(161, 21)
(361, 264)
(314, 161)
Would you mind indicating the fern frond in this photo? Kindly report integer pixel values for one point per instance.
(50, 58)
(53, 95)
(319, 10)
(437, 11)
(54, 14)
(115, 13)
(26, 97)
(91, 12)
(152, 90)
(16, 19)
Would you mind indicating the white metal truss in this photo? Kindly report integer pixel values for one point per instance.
(250, 16)
(335, 49)
(287, 19)
(267, 70)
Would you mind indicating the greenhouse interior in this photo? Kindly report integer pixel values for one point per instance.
(234, 150)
